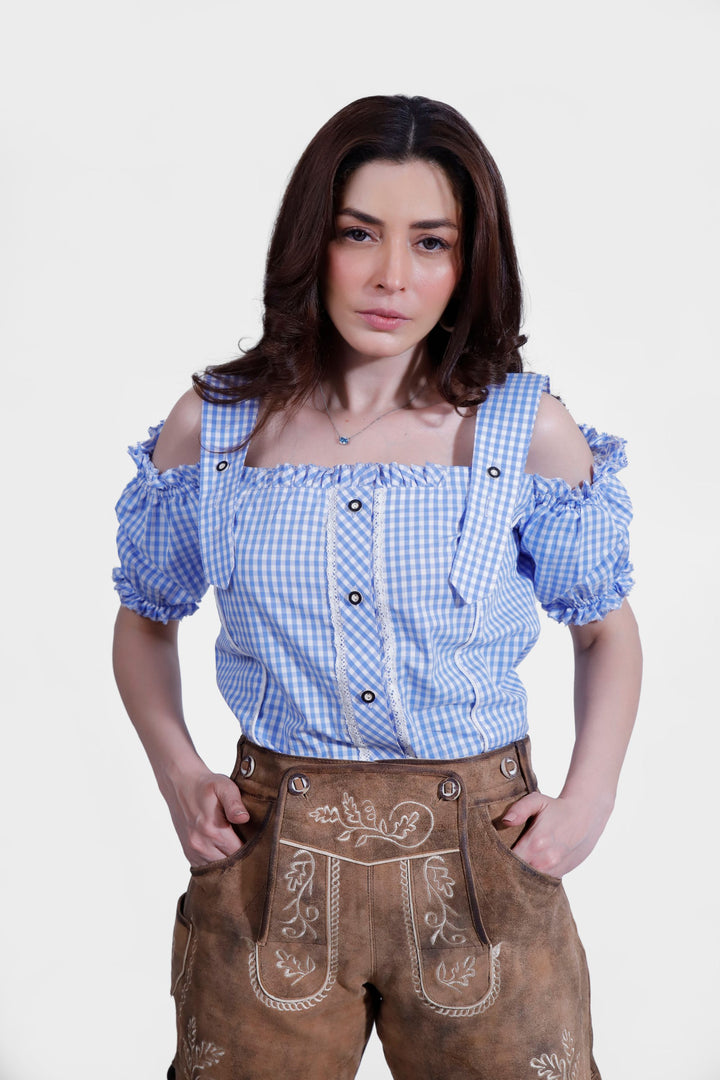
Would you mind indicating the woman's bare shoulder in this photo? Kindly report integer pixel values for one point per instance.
(558, 447)
(179, 440)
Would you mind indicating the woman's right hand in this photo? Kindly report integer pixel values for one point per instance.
(204, 806)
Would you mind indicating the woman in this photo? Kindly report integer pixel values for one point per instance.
(378, 494)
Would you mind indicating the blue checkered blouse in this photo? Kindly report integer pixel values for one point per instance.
(375, 611)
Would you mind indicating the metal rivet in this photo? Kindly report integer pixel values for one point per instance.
(449, 789)
(509, 767)
(222, 465)
(298, 784)
(247, 766)
(494, 472)
(367, 696)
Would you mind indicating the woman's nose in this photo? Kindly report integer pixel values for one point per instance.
(393, 267)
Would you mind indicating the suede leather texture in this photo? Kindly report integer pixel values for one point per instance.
(381, 894)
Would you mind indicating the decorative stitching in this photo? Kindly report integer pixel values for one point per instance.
(292, 968)
(550, 1067)
(383, 609)
(394, 829)
(197, 1057)
(459, 975)
(336, 620)
(439, 889)
(301, 1004)
(300, 881)
(415, 970)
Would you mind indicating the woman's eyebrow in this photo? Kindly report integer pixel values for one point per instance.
(368, 219)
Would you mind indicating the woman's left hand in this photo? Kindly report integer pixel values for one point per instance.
(563, 833)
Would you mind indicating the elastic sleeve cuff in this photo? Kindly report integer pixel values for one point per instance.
(131, 598)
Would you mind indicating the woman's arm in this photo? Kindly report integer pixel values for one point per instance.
(608, 665)
(203, 805)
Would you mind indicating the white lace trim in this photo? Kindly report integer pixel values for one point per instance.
(459, 657)
(339, 638)
(383, 609)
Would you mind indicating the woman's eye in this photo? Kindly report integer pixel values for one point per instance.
(356, 233)
(433, 243)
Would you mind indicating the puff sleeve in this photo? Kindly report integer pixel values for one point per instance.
(161, 572)
(573, 541)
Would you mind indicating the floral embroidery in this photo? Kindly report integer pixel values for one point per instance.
(439, 890)
(197, 1057)
(460, 973)
(293, 969)
(300, 881)
(402, 822)
(550, 1067)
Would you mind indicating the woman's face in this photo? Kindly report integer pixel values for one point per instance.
(395, 259)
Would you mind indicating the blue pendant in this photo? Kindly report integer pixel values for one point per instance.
(342, 440)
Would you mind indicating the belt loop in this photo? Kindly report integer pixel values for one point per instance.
(522, 749)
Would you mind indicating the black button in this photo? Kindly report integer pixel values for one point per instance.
(354, 504)
(494, 472)
(355, 597)
(367, 696)
(221, 466)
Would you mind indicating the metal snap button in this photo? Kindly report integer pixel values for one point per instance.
(449, 789)
(247, 766)
(222, 465)
(493, 471)
(367, 696)
(355, 597)
(509, 767)
(355, 505)
(298, 784)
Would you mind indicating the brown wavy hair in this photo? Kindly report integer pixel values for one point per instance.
(485, 313)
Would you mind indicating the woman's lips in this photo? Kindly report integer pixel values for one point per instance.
(383, 320)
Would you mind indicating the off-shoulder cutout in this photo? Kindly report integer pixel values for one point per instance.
(558, 449)
(179, 440)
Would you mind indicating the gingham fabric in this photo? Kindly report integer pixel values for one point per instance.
(373, 611)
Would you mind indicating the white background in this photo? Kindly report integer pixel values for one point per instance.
(145, 146)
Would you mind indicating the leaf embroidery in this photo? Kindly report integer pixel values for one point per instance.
(550, 1067)
(460, 973)
(439, 887)
(364, 823)
(301, 915)
(198, 1057)
(292, 968)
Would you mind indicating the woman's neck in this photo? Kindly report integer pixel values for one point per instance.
(361, 384)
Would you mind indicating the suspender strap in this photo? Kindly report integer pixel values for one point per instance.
(503, 429)
(223, 427)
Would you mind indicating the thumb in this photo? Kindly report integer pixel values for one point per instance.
(230, 800)
(525, 808)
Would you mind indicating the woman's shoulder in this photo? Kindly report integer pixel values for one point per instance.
(558, 448)
(179, 440)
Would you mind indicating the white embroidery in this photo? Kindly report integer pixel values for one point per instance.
(459, 974)
(336, 619)
(383, 609)
(440, 889)
(294, 969)
(299, 880)
(197, 1057)
(550, 1067)
(415, 967)
(403, 821)
(333, 916)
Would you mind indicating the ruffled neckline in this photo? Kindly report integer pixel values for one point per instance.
(368, 474)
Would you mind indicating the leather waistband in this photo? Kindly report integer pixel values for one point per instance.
(483, 778)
